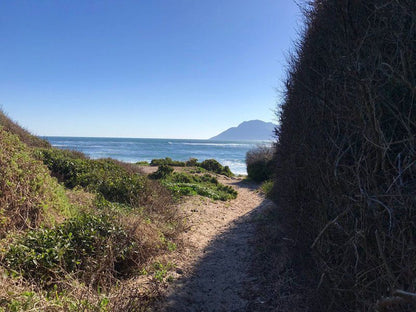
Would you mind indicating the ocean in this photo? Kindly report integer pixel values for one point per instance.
(228, 153)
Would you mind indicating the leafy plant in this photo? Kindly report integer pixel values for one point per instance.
(104, 176)
(214, 166)
(28, 194)
(162, 172)
(182, 184)
(79, 245)
(167, 161)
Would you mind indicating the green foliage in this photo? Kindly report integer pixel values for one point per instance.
(186, 184)
(80, 243)
(104, 176)
(28, 194)
(192, 162)
(162, 172)
(167, 161)
(259, 163)
(142, 163)
(214, 166)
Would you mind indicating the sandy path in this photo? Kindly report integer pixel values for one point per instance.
(216, 257)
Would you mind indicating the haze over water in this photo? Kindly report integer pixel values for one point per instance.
(228, 153)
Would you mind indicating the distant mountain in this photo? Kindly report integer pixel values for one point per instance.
(248, 130)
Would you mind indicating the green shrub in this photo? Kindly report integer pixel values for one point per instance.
(105, 176)
(192, 162)
(162, 172)
(142, 163)
(82, 244)
(28, 194)
(214, 166)
(167, 161)
(259, 163)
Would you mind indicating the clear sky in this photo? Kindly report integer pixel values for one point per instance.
(143, 68)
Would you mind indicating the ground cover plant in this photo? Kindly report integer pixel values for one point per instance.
(345, 158)
(183, 183)
(210, 165)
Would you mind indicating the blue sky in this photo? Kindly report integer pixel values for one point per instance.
(143, 68)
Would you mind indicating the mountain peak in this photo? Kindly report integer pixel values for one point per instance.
(248, 130)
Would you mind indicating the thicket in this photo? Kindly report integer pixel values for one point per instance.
(346, 155)
(259, 162)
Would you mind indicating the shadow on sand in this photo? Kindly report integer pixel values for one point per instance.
(221, 278)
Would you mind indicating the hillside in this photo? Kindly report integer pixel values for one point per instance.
(247, 130)
(62, 213)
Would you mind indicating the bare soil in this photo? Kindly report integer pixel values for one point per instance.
(213, 265)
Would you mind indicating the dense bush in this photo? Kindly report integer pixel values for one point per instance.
(192, 162)
(86, 245)
(105, 176)
(167, 161)
(259, 163)
(162, 172)
(28, 194)
(214, 166)
(345, 174)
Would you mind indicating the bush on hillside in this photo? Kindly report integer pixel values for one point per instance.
(105, 176)
(345, 164)
(162, 172)
(86, 245)
(192, 162)
(28, 194)
(259, 163)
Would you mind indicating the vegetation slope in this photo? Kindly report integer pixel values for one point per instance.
(77, 234)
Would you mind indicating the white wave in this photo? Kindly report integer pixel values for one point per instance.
(211, 144)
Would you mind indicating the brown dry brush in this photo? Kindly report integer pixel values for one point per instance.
(346, 155)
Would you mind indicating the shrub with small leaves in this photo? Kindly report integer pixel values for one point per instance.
(82, 245)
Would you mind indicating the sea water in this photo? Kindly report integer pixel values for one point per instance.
(228, 153)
